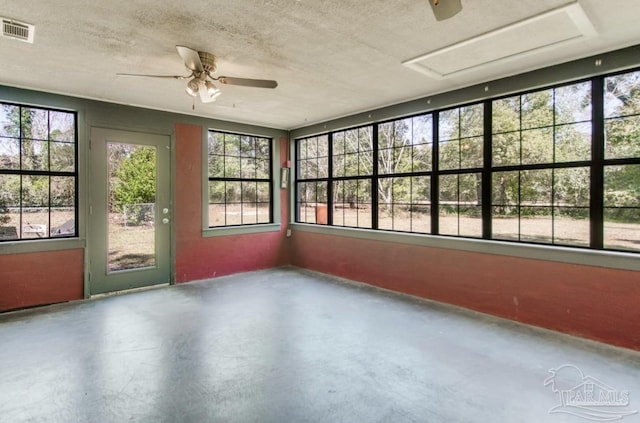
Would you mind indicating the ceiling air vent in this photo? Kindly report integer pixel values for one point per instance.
(17, 30)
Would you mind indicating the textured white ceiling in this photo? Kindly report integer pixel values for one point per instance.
(331, 58)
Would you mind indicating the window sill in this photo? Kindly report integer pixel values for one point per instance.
(41, 245)
(609, 259)
(240, 230)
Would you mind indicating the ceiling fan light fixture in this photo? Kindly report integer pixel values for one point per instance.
(211, 88)
(193, 87)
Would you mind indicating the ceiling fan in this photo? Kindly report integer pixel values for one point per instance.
(201, 65)
(444, 9)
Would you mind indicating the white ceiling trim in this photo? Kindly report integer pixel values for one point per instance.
(533, 35)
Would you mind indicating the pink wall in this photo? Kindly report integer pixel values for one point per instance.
(40, 278)
(200, 258)
(591, 302)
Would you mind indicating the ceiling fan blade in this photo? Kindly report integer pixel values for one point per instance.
(191, 58)
(154, 76)
(245, 82)
(444, 9)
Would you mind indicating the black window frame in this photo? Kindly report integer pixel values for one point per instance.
(240, 179)
(21, 172)
(596, 165)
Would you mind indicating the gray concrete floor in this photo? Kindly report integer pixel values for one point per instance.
(285, 345)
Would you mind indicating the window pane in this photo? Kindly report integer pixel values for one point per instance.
(339, 165)
(421, 157)
(263, 169)
(323, 146)
(62, 126)
(622, 228)
(622, 137)
(232, 145)
(35, 206)
(471, 152)
(471, 121)
(622, 207)
(470, 212)
(216, 203)
(571, 187)
(506, 115)
(9, 207)
(505, 223)
(35, 124)
(449, 125)
(216, 166)
(9, 121)
(386, 135)
(352, 152)
(62, 156)
(264, 212)
(35, 155)
(535, 187)
(573, 142)
(537, 146)
(231, 167)
(422, 129)
(385, 203)
(536, 224)
(621, 95)
(63, 206)
(248, 168)
(263, 190)
(622, 186)
(9, 153)
(449, 155)
(421, 204)
(537, 109)
(249, 213)
(247, 146)
(573, 103)
(312, 202)
(216, 143)
(353, 203)
(461, 141)
(505, 205)
(506, 190)
(249, 192)
(571, 226)
(506, 149)
(351, 164)
(448, 196)
(217, 190)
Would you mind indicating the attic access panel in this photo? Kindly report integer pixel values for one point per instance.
(532, 35)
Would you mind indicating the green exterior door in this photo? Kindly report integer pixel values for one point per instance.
(130, 210)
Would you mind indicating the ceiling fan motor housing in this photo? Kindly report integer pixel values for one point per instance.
(208, 61)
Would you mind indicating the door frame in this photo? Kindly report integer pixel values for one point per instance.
(96, 233)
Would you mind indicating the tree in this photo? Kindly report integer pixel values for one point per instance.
(135, 180)
(4, 210)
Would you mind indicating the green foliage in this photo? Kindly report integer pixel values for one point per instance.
(4, 210)
(136, 178)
